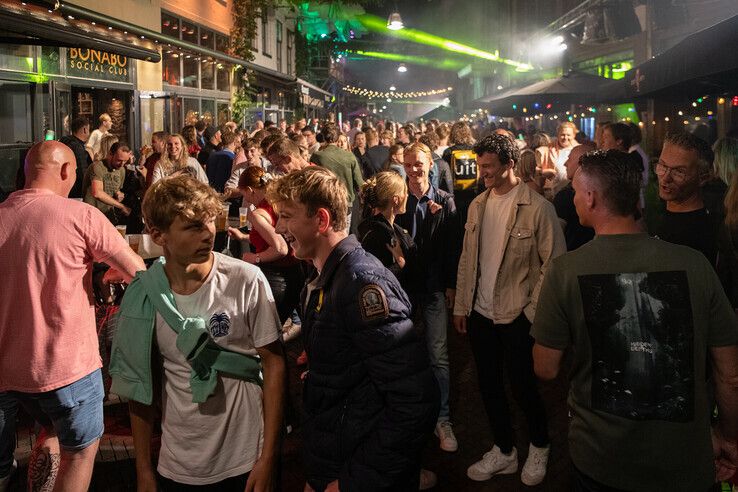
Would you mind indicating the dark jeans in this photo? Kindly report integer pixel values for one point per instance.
(286, 284)
(231, 484)
(509, 344)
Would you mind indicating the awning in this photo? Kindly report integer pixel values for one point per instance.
(308, 88)
(312, 95)
(26, 23)
(442, 113)
(545, 95)
(703, 63)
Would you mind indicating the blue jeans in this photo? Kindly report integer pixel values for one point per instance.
(435, 319)
(74, 411)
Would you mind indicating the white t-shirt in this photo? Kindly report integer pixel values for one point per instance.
(94, 141)
(561, 159)
(491, 243)
(208, 442)
(192, 163)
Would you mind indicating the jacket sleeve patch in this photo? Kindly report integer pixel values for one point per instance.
(373, 303)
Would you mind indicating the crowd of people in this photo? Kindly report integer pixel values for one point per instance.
(369, 241)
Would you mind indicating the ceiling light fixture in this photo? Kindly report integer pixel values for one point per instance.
(402, 68)
(394, 22)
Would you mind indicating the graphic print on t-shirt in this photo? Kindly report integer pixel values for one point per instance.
(642, 336)
(220, 325)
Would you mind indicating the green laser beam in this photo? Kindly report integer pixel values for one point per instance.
(377, 24)
(443, 64)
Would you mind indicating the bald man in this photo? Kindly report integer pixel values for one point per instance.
(575, 233)
(50, 360)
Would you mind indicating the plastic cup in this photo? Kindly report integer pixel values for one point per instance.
(243, 216)
(134, 240)
(121, 230)
(221, 221)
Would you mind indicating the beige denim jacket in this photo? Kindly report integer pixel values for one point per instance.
(533, 238)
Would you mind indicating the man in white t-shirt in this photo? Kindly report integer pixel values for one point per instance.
(228, 439)
(93, 143)
(512, 233)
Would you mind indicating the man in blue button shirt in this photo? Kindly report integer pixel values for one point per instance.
(432, 221)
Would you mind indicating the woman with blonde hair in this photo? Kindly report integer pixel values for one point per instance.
(384, 196)
(726, 157)
(176, 161)
(555, 155)
(343, 142)
(106, 142)
(723, 167)
(525, 169)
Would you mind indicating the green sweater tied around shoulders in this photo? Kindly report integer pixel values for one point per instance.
(130, 361)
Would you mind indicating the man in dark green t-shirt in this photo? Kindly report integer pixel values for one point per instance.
(104, 179)
(643, 317)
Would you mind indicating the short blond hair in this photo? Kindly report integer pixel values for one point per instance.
(182, 196)
(378, 191)
(419, 147)
(314, 187)
(567, 124)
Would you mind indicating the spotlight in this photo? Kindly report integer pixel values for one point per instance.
(402, 68)
(394, 22)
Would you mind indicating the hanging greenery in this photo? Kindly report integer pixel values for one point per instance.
(243, 32)
(315, 18)
(302, 58)
(244, 98)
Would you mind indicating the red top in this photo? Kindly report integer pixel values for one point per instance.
(193, 150)
(260, 245)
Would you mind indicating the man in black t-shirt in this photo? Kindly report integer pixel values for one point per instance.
(76, 142)
(683, 167)
(575, 233)
(212, 144)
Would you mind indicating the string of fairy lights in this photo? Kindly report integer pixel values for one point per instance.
(702, 109)
(393, 94)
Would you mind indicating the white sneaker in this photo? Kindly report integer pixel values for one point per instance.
(445, 434)
(534, 469)
(5, 481)
(493, 463)
(428, 479)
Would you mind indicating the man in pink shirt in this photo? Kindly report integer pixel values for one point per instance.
(49, 358)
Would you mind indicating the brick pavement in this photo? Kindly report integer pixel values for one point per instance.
(114, 468)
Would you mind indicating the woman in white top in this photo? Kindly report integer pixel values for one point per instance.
(177, 161)
(554, 157)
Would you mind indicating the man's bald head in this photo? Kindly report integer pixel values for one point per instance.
(572, 163)
(52, 165)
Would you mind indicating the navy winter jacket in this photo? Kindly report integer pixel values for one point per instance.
(370, 398)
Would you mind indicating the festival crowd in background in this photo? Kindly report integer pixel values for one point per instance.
(369, 243)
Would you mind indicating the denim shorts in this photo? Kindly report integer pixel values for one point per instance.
(74, 411)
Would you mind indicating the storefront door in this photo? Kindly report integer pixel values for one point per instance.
(62, 102)
(91, 103)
